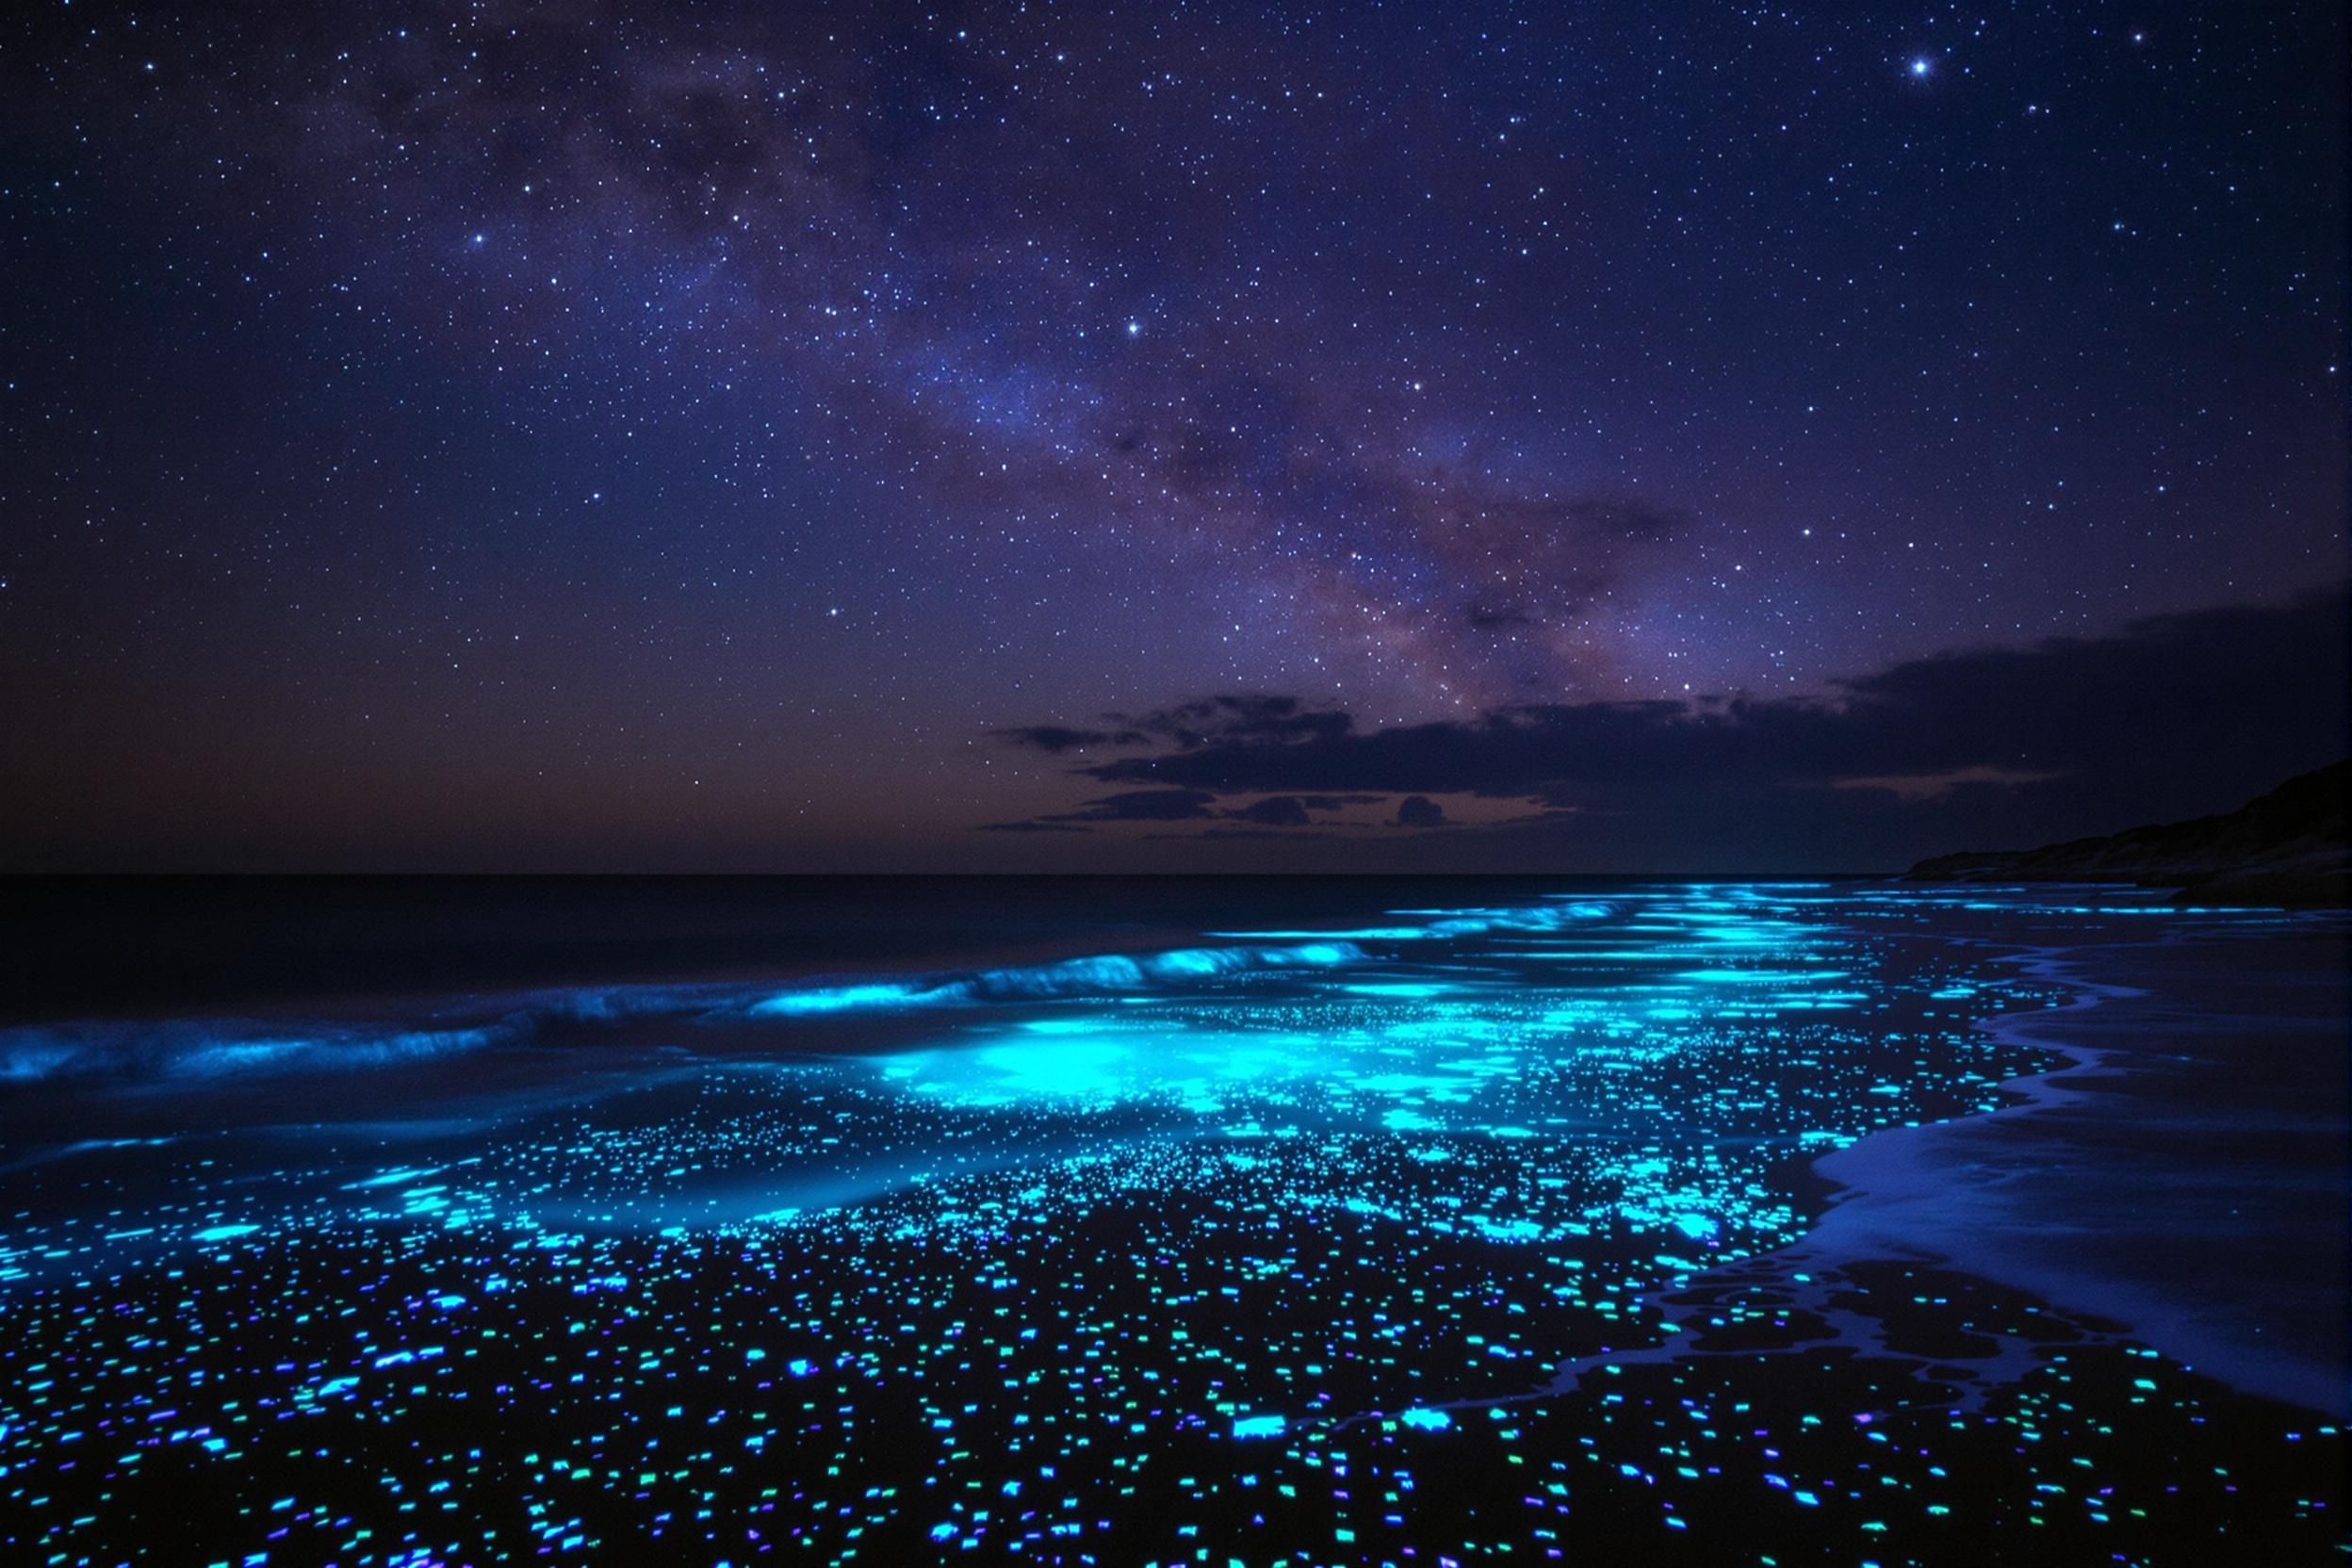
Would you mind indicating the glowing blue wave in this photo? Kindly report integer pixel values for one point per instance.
(227, 1048)
(230, 1047)
(1106, 975)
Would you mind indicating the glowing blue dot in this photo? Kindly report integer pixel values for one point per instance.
(1919, 66)
(1258, 1425)
(1427, 1420)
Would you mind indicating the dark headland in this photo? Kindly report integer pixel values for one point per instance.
(2288, 847)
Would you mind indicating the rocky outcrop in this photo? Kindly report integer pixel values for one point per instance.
(2288, 847)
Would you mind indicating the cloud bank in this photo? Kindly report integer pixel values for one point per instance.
(2170, 716)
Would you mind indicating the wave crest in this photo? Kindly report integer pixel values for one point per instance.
(1107, 973)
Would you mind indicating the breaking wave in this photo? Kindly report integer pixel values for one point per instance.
(1104, 974)
(229, 1048)
(224, 1049)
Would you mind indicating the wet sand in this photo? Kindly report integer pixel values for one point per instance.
(2183, 1174)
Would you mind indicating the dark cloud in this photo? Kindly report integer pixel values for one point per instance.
(1055, 739)
(1241, 717)
(1159, 806)
(1241, 834)
(1141, 805)
(1227, 718)
(2171, 716)
(1275, 812)
(1419, 811)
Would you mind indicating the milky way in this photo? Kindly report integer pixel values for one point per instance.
(608, 432)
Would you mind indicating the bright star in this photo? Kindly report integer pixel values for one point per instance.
(1919, 67)
(1134, 329)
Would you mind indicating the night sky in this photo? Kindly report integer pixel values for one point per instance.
(1595, 437)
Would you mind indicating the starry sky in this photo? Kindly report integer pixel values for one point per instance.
(733, 436)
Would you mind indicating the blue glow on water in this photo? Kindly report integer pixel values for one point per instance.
(838, 999)
(1098, 978)
(998, 1260)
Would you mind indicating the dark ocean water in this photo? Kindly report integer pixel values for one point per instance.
(1117, 1222)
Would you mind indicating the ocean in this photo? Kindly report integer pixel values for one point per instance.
(1195, 1220)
